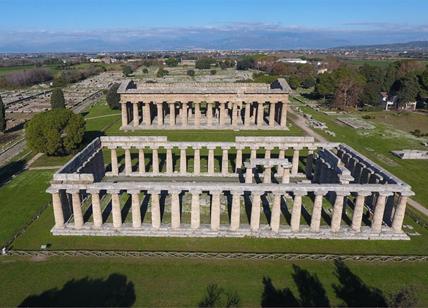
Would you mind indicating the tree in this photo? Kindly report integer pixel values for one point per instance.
(55, 132)
(246, 63)
(204, 63)
(294, 82)
(113, 98)
(145, 71)
(161, 72)
(2, 116)
(424, 79)
(213, 72)
(308, 83)
(348, 85)
(127, 70)
(191, 73)
(325, 85)
(171, 62)
(408, 89)
(57, 99)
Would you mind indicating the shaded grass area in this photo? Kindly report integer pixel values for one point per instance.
(20, 199)
(377, 145)
(183, 282)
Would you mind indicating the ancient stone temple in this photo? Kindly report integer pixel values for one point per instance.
(204, 105)
(284, 187)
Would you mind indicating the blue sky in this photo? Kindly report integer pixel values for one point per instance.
(67, 24)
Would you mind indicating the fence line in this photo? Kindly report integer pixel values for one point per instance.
(215, 255)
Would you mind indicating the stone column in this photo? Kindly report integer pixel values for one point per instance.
(316, 212)
(253, 154)
(123, 106)
(184, 114)
(115, 209)
(357, 216)
(272, 115)
(234, 114)
(249, 175)
(195, 215)
(155, 160)
(169, 163)
(336, 218)
(183, 161)
(135, 115)
(235, 214)
(379, 211)
(155, 208)
(247, 114)
(57, 209)
(141, 161)
(285, 176)
(284, 115)
(281, 156)
(197, 161)
(295, 162)
(96, 208)
(222, 113)
(160, 113)
(114, 163)
(136, 212)
(146, 114)
(400, 210)
(276, 213)
(309, 163)
(238, 160)
(260, 114)
(211, 161)
(77, 209)
(209, 114)
(172, 114)
(255, 211)
(267, 174)
(296, 212)
(215, 210)
(175, 209)
(197, 114)
(225, 162)
(128, 161)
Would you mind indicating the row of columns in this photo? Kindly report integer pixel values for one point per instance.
(254, 114)
(196, 161)
(315, 223)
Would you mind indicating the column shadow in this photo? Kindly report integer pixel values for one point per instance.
(125, 209)
(162, 201)
(285, 211)
(115, 291)
(248, 205)
(266, 208)
(107, 211)
(144, 206)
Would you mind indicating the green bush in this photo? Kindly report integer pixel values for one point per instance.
(191, 73)
(213, 72)
(55, 132)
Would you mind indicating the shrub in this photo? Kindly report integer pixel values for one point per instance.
(55, 132)
(191, 73)
(213, 72)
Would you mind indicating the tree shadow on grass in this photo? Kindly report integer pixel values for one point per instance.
(115, 291)
(311, 291)
(353, 291)
(11, 169)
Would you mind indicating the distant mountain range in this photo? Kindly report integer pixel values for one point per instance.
(415, 45)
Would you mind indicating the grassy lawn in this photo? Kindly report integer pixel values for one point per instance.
(20, 199)
(405, 121)
(378, 143)
(183, 282)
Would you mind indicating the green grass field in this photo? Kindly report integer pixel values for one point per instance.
(179, 282)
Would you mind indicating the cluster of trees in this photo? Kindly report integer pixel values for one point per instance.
(161, 72)
(205, 63)
(245, 63)
(75, 75)
(112, 97)
(130, 67)
(55, 132)
(25, 78)
(348, 86)
(172, 62)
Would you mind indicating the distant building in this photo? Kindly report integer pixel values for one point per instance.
(322, 71)
(292, 60)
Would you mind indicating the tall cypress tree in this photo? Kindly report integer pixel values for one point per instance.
(2, 116)
(57, 99)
